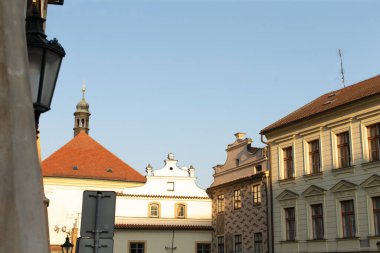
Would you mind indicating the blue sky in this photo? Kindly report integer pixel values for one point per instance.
(184, 76)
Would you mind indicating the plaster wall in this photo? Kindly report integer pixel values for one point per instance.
(354, 119)
(156, 240)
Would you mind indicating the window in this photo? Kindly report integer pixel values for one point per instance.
(317, 221)
(314, 159)
(180, 211)
(290, 223)
(170, 186)
(258, 168)
(154, 210)
(374, 142)
(220, 244)
(256, 194)
(288, 162)
(237, 162)
(203, 248)
(376, 214)
(237, 243)
(344, 157)
(136, 247)
(348, 218)
(237, 199)
(220, 203)
(258, 240)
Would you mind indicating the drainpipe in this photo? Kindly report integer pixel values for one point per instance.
(270, 232)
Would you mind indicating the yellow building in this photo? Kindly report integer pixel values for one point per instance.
(325, 169)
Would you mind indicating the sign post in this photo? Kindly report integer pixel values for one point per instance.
(98, 220)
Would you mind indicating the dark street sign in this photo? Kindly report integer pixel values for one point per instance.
(98, 214)
(87, 245)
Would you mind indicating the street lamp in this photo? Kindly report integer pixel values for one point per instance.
(67, 247)
(45, 57)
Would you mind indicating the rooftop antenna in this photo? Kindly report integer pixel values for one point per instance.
(340, 53)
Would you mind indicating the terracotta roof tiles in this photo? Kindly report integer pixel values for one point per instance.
(83, 157)
(329, 101)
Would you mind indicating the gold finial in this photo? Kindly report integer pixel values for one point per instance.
(83, 88)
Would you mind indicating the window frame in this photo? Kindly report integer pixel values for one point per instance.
(348, 217)
(238, 243)
(290, 220)
(136, 242)
(258, 243)
(314, 156)
(179, 205)
(220, 203)
(220, 244)
(376, 215)
(202, 250)
(237, 199)
(150, 209)
(256, 194)
(317, 221)
(288, 162)
(373, 139)
(343, 147)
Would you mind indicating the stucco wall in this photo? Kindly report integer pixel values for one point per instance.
(354, 119)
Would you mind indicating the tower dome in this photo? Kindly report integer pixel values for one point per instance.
(82, 115)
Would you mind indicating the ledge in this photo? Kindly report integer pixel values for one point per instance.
(347, 238)
(317, 240)
(290, 180)
(313, 175)
(371, 165)
(343, 170)
(289, 241)
(374, 237)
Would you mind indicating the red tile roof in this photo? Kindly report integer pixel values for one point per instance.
(83, 157)
(329, 101)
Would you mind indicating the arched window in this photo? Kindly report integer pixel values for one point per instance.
(154, 210)
(77, 122)
(82, 123)
(180, 210)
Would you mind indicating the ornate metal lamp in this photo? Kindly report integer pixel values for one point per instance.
(45, 59)
(67, 247)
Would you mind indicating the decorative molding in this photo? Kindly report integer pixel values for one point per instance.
(372, 181)
(313, 190)
(342, 186)
(286, 195)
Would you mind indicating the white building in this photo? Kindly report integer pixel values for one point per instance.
(170, 213)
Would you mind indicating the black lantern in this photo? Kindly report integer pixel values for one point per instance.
(67, 247)
(45, 59)
(378, 246)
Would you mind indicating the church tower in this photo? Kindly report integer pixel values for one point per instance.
(82, 115)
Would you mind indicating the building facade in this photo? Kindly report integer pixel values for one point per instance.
(325, 166)
(170, 213)
(240, 200)
(81, 164)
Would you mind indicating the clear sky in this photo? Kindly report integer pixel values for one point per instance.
(183, 76)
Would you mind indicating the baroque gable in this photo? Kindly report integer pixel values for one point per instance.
(343, 185)
(372, 181)
(286, 195)
(313, 190)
